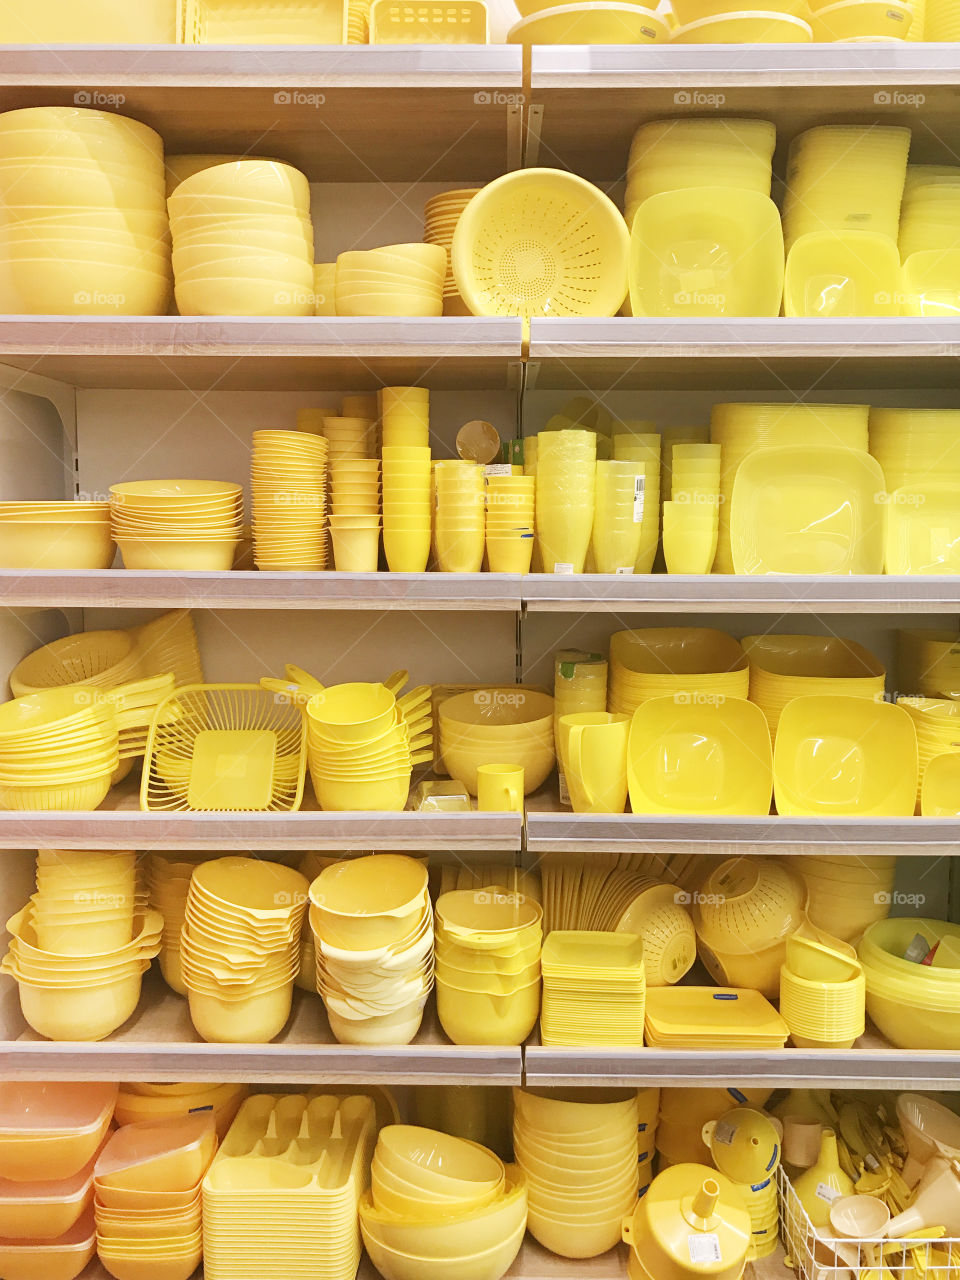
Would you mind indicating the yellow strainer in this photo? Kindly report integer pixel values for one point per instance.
(541, 242)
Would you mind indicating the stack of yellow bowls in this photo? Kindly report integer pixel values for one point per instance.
(148, 1201)
(141, 1101)
(240, 948)
(846, 895)
(440, 217)
(656, 662)
(578, 1151)
(565, 497)
(243, 241)
(363, 744)
(373, 934)
(618, 516)
(440, 1206)
(916, 445)
(177, 524)
(691, 519)
(168, 884)
(744, 912)
(58, 750)
(822, 991)
(915, 1005)
(843, 22)
(84, 216)
(460, 529)
(928, 663)
(842, 176)
(405, 416)
(71, 997)
(288, 484)
(779, 22)
(936, 722)
(55, 535)
(355, 513)
(673, 155)
(594, 989)
(643, 449)
(510, 523)
(350, 438)
(740, 429)
(488, 965)
(498, 726)
(783, 667)
(407, 512)
(85, 902)
(395, 280)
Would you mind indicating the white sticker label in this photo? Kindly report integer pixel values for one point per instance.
(827, 1193)
(498, 469)
(638, 497)
(705, 1248)
(626, 568)
(561, 566)
(724, 1133)
(564, 789)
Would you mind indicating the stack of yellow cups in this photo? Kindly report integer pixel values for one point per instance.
(350, 437)
(510, 523)
(405, 416)
(822, 991)
(407, 517)
(691, 519)
(618, 516)
(644, 447)
(460, 533)
(440, 217)
(355, 513)
(566, 489)
(289, 488)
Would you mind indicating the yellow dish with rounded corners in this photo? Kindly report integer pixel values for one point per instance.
(699, 756)
(710, 251)
(62, 1258)
(846, 757)
(923, 529)
(930, 283)
(541, 242)
(588, 23)
(859, 22)
(797, 509)
(940, 791)
(842, 273)
(745, 27)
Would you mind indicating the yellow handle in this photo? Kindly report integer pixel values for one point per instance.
(575, 749)
(292, 692)
(297, 675)
(396, 681)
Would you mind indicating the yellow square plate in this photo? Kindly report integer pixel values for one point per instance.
(708, 1013)
(796, 509)
(923, 528)
(842, 273)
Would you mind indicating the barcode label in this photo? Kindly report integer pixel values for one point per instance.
(561, 566)
(638, 497)
(498, 469)
(724, 1133)
(827, 1193)
(705, 1248)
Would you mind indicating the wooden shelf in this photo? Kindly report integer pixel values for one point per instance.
(333, 111)
(763, 354)
(720, 593)
(587, 101)
(177, 353)
(240, 589)
(159, 1043)
(871, 1064)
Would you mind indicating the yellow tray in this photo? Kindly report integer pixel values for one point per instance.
(400, 22)
(715, 1014)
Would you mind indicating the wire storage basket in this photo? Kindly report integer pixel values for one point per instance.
(817, 1255)
(226, 748)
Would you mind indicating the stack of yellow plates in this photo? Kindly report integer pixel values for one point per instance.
(84, 218)
(289, 489)
(594, 989)
(243, 241)
(692, 662)
(937, 722)
(928, 663)
(177, 524)
(712, 1018)
(845, 895)
(930, 217)
(741, 429)
(395, 280)
(914, 446)
(845, 177)
(784, 667)
(358, 22)
(671, 155)
(440, 217)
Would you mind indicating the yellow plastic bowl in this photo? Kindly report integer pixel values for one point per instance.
(439, 1164)
(63, 1258)
(859, 21)
(255, 1020)
(491, 1264)
(80, 1013)
(56, 545)
(363, 904)
(462, 1232)
(746, 27)
(469, 1017)
(247, 181)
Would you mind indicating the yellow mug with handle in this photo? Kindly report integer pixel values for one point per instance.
(593, 752)
(500, 788)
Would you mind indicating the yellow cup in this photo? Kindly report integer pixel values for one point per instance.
(690, 537)
(593, 752)
(500, 788)
(460, 550)
(356, 550)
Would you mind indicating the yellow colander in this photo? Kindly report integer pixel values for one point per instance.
(541, 242)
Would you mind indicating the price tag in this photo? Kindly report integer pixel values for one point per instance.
(827, 1193)
(638, 498)
(724, 1133)
(627, 568)
(564, 789)
(561, 566)
(704, 1248)
(498, 469)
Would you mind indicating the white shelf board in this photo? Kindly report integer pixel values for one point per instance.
(871, 1064)
(558, 832)
(592, 98)
(229, 353)
(159, 1043)
(331, 110)
(765, 354)
(720, 593)
(242, 589)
